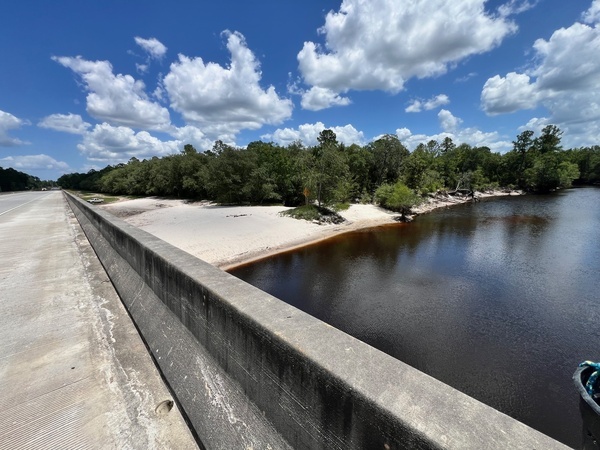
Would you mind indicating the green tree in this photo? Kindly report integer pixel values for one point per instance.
(193, 168)
(549, 140)
(275, 177)
(229, 174)
(419, 168)
(549, 172)
(389, 156)
(360, 163)
(397, 197)
(328, 171)
(447, 145)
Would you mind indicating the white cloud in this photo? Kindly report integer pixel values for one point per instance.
(318, 98)
(69, 123)
(152, 46)
(427, 105)
(515, 7)
(9, 122)
(308, 133)
(450, 128)
(191, 135)
(224, 100)
(117, 144)
(535, 124)
(448, 122)
(33, 162)
(564, 80)
(141, 68)
(380, 44)
(508, 94)
(592, 15)
(116, 99)
(466, 78)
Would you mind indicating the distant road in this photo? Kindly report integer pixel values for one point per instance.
(12, 201)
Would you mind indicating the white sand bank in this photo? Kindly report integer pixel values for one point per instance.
(226, 236)
(230, 235)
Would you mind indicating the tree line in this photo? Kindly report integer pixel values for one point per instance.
(331, 172)
(14, 180)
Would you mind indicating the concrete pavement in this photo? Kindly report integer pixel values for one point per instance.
(74, 372)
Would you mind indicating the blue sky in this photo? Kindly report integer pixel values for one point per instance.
(87, 84)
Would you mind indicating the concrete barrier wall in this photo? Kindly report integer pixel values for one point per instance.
(253, 372)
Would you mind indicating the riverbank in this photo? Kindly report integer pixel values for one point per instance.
(228, 236)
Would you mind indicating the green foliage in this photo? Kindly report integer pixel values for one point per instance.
(417, 164)
(14, 180)
(588, 161)
(549, 140)
(331, 173)
(388, 158)
(314, 213)
(549, 172)
(431, 181)
(342, 206)
(567, 172)
(397, 197)
(325, 172)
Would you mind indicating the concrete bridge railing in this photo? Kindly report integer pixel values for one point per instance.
(250, 371)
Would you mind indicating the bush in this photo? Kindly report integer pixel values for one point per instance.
(314, 213)
(397, 197)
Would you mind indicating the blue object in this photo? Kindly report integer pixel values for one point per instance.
(592, 386)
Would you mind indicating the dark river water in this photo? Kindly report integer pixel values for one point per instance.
(499, 299)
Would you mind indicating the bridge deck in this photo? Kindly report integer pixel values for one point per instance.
(73, 371)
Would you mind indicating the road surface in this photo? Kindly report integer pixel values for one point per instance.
(74, 372)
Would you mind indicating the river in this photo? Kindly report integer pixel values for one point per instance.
(499, 299)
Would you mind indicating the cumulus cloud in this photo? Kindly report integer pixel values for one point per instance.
(564, 79)
(9, 122)
(592, 15)
(110, 145)
(191, 135)
(535, 124)
(308, 133)
(318, 98)
(224, 100)
(427, 105)
(508, 94)
(117, 99)
(69, 123)
(33, 162)
(450, 126)
(380, 44)
(448, 122)
(117, 144)
(152, 46)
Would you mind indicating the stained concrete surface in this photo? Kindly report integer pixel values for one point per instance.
(318, 387)
(74, 372)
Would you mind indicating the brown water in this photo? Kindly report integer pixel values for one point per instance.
(499, 299)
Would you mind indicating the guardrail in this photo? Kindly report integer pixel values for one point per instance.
(251, 371)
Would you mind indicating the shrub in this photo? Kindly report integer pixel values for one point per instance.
(397, 197)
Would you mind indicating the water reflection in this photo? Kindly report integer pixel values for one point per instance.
(498, 299)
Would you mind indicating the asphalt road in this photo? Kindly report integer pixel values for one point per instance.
(74, 372)
(10, 202)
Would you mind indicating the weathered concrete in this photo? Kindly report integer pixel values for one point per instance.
(249, 369)
(74, 372)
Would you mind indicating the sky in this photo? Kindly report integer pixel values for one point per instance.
(88, 84)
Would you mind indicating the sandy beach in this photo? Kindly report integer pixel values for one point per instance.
(226, 236)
